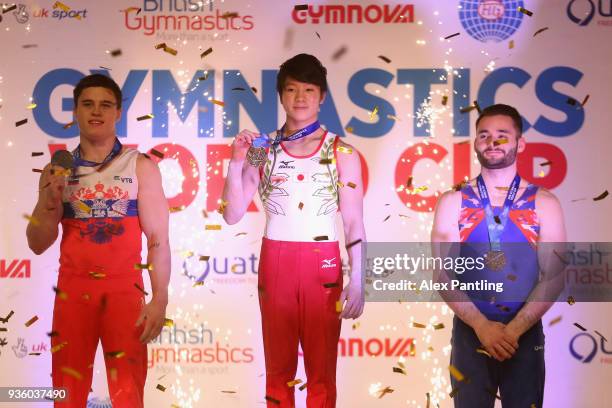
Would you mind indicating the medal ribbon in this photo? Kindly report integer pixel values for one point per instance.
(263, 140)
(78, 161)
(495, 229)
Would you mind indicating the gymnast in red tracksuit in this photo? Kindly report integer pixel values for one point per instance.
(307, 175)
(113, 195)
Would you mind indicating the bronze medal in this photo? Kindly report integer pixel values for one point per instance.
(256, 156)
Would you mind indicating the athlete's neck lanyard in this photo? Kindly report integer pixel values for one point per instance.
(496, 229)
(78, 161)
(308, 130)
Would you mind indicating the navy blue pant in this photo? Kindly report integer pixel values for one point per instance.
(520, 380)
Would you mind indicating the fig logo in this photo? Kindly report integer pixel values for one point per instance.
(586, 18)
(585, 351)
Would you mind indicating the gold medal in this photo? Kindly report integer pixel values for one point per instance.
(495, 260)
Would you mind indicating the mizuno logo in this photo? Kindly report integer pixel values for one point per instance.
(327, 263)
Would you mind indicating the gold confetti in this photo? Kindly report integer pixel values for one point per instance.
(212, 227)
(217, 102)
(525, 11)
(480, 350)
(157, 153)
(300, 7)
(303, 386)
(161, 388)
(176, 209)
(146, 266)
(541, 30)
(301, 205)
(555, 321)
(69, 125)
(511, 44)
(60, 293)
(453, 392)
(31, 106)
(115, 354)
(293, 383)
(21, 122)
(418, 325)
(31, 321)
(601, 196)
(58, 347)
(145, 117)
(31, 219)
(448, 37)
(387, 60)
(170, 50)
(351, 184)
(571, 300)
(205, 53)
(113, 373)
(71, 372)
(344, 149)
(168, 322)
(338, 306)
(349, 129)
(444, 100)
(228, 392)
(321, 238)
(230, 14)
(399, 370)
(352, 244)
(272, 400)
(373, 114)
(356, 325)
(34, 354)
(116, 52)
(393, 117)
(580, 327)
(586, 98)
(141, 289)
(500, 142)
(385, 391)
(339, 53)
(457, 375)
(204, 257)
(546, 163)
(438, 326)
(97, 275)
(61, 6)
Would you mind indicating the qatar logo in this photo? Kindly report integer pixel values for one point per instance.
(490, 20)
(585, 350)
(581, 19)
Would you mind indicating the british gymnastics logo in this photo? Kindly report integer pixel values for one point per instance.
(490, 20)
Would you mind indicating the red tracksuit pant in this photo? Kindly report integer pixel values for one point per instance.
(299, 285)
(93, 310)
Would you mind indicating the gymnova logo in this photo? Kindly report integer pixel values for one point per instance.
(583, 347)
(95, 402)
(583, 19)
(490, 20)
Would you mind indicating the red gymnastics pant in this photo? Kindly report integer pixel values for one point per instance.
(90, 310)
(299, 285)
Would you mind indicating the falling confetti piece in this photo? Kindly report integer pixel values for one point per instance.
(349, 129)
(352, 244)
(373, 114)
(300, 7)
(146, 266)
(453, 392)
(503, 308)
(457, 375)
(571, 101)
(344, 149)
(161, 388)
(157, 153)
(170, 50)
(72, 372)
(321, 238)
(438, 326)
(31, 321)
(393, 117)
(326, 161)
(60, 293)
(541, 30)
(399, 370)
(448, 37)
(116, 53)
(68, 125)
(483, 351)
(500, 142)
(351, 184)
(228, 392)
(386, 218)
(9, 8)
(168, 322)
(387, 60)
(216, 102)
(97, 275)
(31, 219)
(339, 53)
(418, 325)
(511, 277)
(555, 321)
(580, 327)
(21, 122)
(144, 292)
(212, 227)
(467, 109)
(385, 391)
(34, 354)
(293, 383)
(303, 386)
(586, 98)
(601, 335)
(331, 285)
(58, 347)
(238, 88)
(497, 219)
(176, 209)
(444, 100)
(338, 306)
(601, 196)
(115, 354)
(31, 106)
(511, 44)
(356, 325)
(272, 400)
(477, 106)
(546, 163)
(205, 53)
(203, 78)
(525, 11)
(204, 258)
(145, 117)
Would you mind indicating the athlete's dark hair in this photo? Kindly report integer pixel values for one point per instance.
(304, 68)
(97, 80)
(506, 110)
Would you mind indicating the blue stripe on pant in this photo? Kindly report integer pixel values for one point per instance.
(520, 379)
